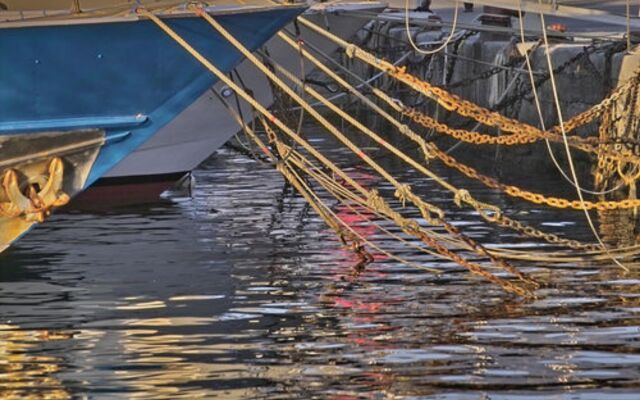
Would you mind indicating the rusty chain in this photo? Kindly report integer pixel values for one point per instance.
(533, 197)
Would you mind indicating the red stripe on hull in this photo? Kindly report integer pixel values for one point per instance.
(124, 191)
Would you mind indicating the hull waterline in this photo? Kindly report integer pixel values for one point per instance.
(120, 77)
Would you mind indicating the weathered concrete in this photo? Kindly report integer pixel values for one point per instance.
(582, 84)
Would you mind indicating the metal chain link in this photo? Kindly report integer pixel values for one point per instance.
(609, 49)
(533, 197)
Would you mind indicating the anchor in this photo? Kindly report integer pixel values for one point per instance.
(34, 202)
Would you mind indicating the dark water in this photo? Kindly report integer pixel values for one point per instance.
(240, 292)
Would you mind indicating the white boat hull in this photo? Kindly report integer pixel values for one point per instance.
(206, 125)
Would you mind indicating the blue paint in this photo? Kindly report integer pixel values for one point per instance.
(66, 124)
(97, 72)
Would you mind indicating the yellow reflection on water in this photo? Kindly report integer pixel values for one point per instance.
(145, 305)
(24, 375)
(183, 366)
(143, 362)
(175, 321)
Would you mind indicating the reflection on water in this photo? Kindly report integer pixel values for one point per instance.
(24, 372)
(242, 292)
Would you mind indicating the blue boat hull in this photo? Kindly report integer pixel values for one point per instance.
(128, 78)
(91, 93)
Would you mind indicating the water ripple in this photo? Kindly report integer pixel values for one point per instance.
(242, 292)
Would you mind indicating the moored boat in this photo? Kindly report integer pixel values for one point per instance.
(206, 125)
(79, 92)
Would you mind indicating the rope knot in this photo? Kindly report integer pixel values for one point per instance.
(403, 193)
(408, 132)
(484, 209)
(432, 214)
(197, 7)
(350, 50)
(428, 211)
(429, 149)
(375, 201)
(462, 195)
(410, 226)
(405, 130)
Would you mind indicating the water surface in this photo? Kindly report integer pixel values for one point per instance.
(242, 292)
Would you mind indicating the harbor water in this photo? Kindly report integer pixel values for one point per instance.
(240, 291)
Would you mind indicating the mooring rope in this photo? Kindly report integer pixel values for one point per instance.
(564, 203)
(466, 108)
(429, 149)
(541, 116)
(567, 148)
(374, 200)
(308, 170)
(444, 44)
